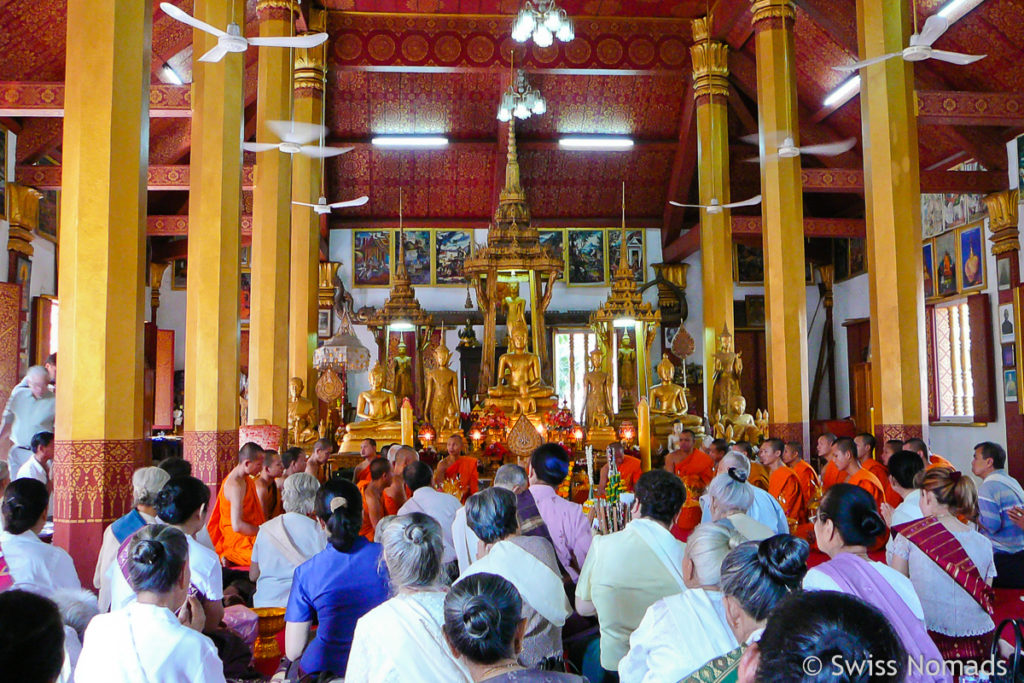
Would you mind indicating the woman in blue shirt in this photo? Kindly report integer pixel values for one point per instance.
(337, 585)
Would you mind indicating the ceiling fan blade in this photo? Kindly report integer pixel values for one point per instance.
(296, 131)
(215, 54)
(259, 146)
(307, 41)
(312, 206)
(687, 206)
(753, 201)
(752, 139)
(866, 62)
(186, 18)
(934, 27)
(323, 152)
(830, 149)
(358, 201)
(955, 57)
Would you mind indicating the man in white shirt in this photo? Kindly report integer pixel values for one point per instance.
(29, 410)
(437, 504)
(38, 466)
(511, 477)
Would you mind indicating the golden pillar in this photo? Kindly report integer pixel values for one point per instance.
(99, 440)
(711, 90)
(211, 313)
(305, 240)
(783, 221)
(271, 220)
(892, 191)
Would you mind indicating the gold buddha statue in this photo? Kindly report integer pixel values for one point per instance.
(739, 425)
(378, 409)
(401, 373)
(627, 369)
(520, 390)
(598, 387)
(725, 382)
(302, 424)
(668, 403)
(441, 404)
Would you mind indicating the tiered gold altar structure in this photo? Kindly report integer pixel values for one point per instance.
(513, 256)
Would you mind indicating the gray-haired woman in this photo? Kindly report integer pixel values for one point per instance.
(286, 541)
(401, 640)
(731, 498)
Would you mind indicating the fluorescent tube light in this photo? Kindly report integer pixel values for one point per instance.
(952, 8)
(410, 141)
(596, 143)
(843, 92)
(171, 75)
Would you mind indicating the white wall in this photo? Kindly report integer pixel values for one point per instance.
(170, 315)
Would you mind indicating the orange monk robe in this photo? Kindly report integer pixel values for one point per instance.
(364, 475)
(881, 472)
(697, 464)
(938, 461)
(367, 529)
(830, 476)
(629, 471)
(464, 469)
(234, 547)
(865, 479)
(809, 481)
(390, 504)
(784, 486)
(758, 475)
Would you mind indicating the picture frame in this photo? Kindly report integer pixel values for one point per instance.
(858, 256)
(587, 256)
(754, 308)
(417, 255)
(747, 264)
(1018, 338)
(324, 323)
(972, 258)
(244, 299)
(179, 274)
(946, 264)
(928, 262)
(1009, 355)
(1003, 274)
(245, 256)
(21, 273)
(371, 258)
(3, 173)
(49, 216)
(1007, 322)
(1010, 385)
(932, 223)
(555, 240)
(451, 249)
(635, 252)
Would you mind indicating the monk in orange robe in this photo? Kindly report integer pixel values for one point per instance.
(689, 461)
(931, 460)
(793, 456)
(844, 456)
(783, 483)
(630, 469)
(237, 514)
(936, 460)
(757, 475)
(373, 496)
(458, 467)
(368, 451)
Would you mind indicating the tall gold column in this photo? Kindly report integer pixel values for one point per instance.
(711, 90)
(99, 440)
(893, 209)
(211, 314)
(305, 241)
(783, 222)
(271, 219)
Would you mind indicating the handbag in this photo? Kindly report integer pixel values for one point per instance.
(1013, 669)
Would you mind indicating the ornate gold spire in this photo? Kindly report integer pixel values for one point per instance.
(402, 305)
(513, 210)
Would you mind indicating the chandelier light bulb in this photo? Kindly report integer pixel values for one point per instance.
(544, 20)
(552, 21)
(540, 106)
(542, 36)
(504, 115)
(521, 111)
(565, 31)
(526, 21)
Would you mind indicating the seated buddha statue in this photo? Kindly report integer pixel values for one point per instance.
(668, 403)
(378, 409)
(302, 424)
(520, 389)
(737, 424)
(442, 396)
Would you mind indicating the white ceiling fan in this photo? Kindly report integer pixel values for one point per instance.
(714, 207)
(295, 137)
(789, 150)
(232, 40)
(920, 47)
(321, 207)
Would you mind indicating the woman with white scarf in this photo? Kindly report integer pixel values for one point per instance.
(401, 640)
(528, 563)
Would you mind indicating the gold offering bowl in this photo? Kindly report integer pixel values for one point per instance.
(271, 622)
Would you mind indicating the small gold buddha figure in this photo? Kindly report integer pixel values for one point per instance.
(518, 375)
(598, 387)
(668, 402)
(401, 372)
(737, 424)
(442, 395)
(378, 409)
(725, 383)
(627, 367)
(302, 424)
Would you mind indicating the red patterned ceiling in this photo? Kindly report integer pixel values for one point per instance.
(620, 8)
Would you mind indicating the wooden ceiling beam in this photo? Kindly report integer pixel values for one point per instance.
(167, 178)
(684, 167)
(689, 242)
(851, 181)
(960, 108)
(38, 99)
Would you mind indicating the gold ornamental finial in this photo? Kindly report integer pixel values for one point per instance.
(401, 272)
(623, 262)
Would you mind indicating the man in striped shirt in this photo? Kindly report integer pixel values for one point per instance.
(999, 498)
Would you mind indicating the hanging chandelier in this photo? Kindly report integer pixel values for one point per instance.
(544, 21)
(521, 100)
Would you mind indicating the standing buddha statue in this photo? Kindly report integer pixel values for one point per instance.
(401, 373)
(597, 385)
(442, 396)
(627, 370)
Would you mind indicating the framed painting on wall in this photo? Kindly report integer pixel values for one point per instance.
(451, 248)
(1010, 385)
(929, 270)
(49, 215)
(417, 255)
(747, 264)
(3, 173)
(945, 264)
(1007, 324)
(586, 257)
(324, 322)
(972, 258)
(1009, 356)
(555, 241)
(179, 274)
(244, 294)
(634, 252)
(371, 258)
(245, 256)
(1003, 273)
(858, 257)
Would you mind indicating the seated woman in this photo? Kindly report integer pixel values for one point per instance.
(336, 586)
(483, 626)
(755, 578)
(34, 652)
(529, 563)
(679, 633)
(817, 627)
(730, 500)
(35, 566)
(847, 524)
(950, 565)
(286, 541)
(401, 640)
(146, 641)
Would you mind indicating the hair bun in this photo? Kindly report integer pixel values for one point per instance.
(738, 475)
(872, 524)
(480, 617)
(414, 533)
(784, 559)
(148, 552)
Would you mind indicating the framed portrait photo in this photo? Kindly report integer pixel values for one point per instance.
(946, 264)
(1010, 385)
(179, 273)
(1003, 274)
(324, 323)
(1007, 324)
(929, 270)
(972, 258)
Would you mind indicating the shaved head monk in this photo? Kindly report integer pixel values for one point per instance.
(793, 456)
(367, 451)
(458, 467)
(930, 460)
(629, 468)
(783, 483)
(323, 449)
(374, 509)
(690, 461)
(237, 514)
(830, 474)
(844, 456)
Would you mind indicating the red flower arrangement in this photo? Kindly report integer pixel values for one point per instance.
(559, 418)
(497, 452)
(493, 418)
